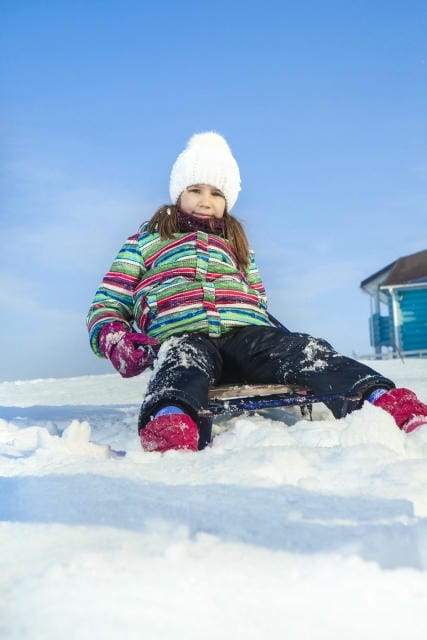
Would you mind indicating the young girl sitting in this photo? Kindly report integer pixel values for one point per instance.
(189, 282)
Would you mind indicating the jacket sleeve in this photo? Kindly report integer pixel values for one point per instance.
(113, 300)
(254, 279)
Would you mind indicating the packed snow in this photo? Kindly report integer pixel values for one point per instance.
(282, 528)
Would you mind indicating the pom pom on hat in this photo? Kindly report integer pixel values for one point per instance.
(207, 159)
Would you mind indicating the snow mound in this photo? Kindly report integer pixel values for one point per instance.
(281, 528)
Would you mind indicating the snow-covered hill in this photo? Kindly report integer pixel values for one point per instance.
(297, 530)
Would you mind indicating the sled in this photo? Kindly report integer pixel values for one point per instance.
(232, 399)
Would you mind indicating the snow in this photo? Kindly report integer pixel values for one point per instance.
(283, 528)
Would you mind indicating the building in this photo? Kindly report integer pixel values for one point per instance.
(398, 293)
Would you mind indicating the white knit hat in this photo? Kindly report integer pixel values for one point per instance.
(207, 159)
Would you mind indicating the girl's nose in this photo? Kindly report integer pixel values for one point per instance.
(205, 200)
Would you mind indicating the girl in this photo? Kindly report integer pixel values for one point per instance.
(189, 282)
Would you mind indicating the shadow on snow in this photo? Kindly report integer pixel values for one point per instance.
(283, 518)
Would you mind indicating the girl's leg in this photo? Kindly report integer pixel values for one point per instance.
(265, 355)
(186, 366)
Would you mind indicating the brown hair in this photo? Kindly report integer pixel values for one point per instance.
(165, 222)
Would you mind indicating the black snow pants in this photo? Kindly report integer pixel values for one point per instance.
(190, 363)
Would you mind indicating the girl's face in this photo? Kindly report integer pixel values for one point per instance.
(203, 201)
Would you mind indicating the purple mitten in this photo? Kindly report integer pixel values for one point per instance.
(130, 353)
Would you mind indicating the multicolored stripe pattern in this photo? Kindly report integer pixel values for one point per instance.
(187, 284)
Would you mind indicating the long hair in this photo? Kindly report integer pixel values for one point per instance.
(165, 223)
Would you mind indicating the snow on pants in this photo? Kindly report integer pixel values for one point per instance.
(190, 363)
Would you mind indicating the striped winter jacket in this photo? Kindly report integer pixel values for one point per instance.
(186, 284)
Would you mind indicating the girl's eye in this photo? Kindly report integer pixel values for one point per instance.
(194, 190)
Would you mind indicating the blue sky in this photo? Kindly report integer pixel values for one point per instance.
(325, 107)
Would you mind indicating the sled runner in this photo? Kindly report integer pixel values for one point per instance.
(237, 399)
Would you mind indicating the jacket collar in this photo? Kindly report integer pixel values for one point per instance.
(188, 223)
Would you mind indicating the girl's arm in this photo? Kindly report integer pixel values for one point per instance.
(254, 279)
(113, 302)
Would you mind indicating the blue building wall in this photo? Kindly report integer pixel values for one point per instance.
(381, 330)
(413, 317)
(411, 321)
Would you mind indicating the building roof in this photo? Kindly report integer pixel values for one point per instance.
(406, 270)
(409, 269)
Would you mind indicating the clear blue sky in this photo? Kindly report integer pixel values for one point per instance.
(324, 104)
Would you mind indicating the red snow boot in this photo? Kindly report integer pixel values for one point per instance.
(170, 431)
(408, 412)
